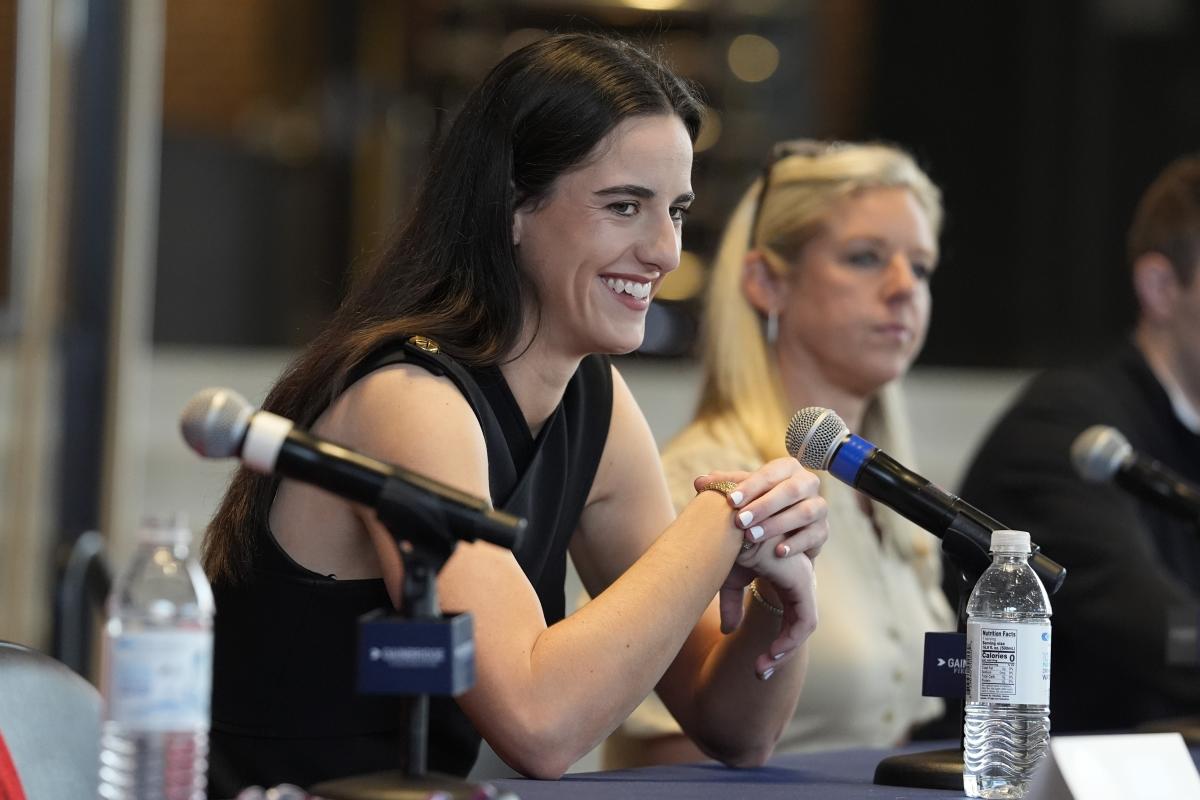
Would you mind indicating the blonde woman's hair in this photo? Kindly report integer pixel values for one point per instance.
(803, 182)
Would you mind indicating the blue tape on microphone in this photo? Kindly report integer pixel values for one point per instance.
(407, 656)
(945, 673)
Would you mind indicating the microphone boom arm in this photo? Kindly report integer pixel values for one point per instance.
(965, 531)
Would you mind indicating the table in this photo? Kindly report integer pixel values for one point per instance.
(838, 775)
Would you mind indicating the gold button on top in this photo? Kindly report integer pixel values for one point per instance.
(425, 343)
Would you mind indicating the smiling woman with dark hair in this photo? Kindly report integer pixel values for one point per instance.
(553, 210)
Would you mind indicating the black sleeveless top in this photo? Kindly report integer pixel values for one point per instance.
(284, 705)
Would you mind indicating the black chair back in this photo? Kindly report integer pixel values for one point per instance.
(82, 590)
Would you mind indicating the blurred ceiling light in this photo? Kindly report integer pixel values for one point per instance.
(654, 5)
(710, 130)
(752, 58)
(685, 281)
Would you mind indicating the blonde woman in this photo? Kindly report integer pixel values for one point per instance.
(820, 296)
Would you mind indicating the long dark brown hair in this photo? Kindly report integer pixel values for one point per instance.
(450, 271)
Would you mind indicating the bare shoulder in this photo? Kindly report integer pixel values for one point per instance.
(408, 416)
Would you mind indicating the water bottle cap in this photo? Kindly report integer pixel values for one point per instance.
(166, 530)
(1010, 542)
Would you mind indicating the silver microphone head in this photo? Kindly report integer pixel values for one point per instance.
(1098, 453)
(214, 422)
(813, 436)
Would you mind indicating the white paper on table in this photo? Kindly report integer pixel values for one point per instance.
(1118, 767)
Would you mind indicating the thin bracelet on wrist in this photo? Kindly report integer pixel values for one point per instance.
(776, 610)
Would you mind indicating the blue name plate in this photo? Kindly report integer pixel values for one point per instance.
(407, 656)
(945, 673)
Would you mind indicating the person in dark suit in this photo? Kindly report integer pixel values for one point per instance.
(1130, 563)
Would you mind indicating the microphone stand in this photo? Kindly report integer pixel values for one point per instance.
(417, 522)
(942, 769)
(934, 769)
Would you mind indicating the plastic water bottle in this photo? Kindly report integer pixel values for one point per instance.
(157, 680)
(1007, 728)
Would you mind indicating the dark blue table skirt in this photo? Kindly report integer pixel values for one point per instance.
(838, 775)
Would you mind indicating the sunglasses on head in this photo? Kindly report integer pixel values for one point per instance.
(810, 148)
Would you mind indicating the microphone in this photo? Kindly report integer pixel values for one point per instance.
(220, 423)
(819, 439)
(1102, 454)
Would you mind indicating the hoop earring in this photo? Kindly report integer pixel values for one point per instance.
(772, 331)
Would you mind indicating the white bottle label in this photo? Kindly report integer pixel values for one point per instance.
(160, 680)
(1008, 663)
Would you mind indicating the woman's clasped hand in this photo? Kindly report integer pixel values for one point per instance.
(784, 524)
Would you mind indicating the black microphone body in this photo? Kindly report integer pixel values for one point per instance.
(1159, 485)
(220, 423)
(360, 478)
(820, 440)
(913, 497)
(335, 469)
(1102, 453)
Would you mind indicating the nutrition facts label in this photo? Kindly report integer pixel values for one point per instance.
(997, 664)
(1007, 663)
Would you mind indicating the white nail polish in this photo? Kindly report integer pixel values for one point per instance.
(746, 517)
(736, 497)
(767, 674)
(756, 532)
(778, 656)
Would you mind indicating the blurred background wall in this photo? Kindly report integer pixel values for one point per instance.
(185, 186)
